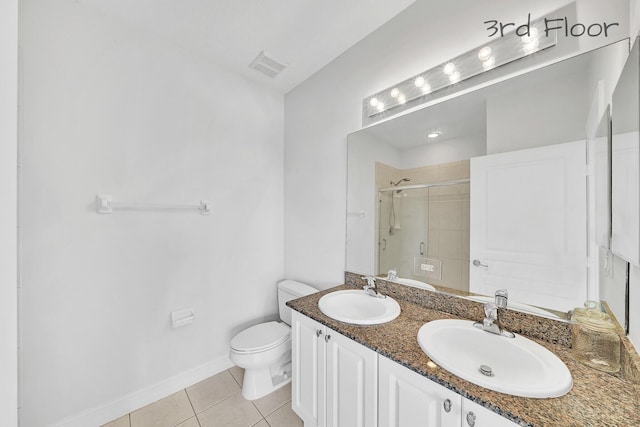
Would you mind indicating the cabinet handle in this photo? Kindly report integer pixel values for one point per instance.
(471, 419)
(318, 332)
(447, 405)
(327, 338)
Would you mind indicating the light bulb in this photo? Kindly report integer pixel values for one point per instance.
(455, 77)
(373, 101)
(489, 63)
(433, 135)
(484, 53)
(380, 106)
(531, 37)
(419, 81)
(402, 99)
(530, 47)
(449, 68)
(395, 92)
(426, 88)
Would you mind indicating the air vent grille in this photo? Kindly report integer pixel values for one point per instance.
(267, 65)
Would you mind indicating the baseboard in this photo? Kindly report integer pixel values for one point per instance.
(100, 415)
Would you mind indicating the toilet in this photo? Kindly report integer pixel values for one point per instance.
(264, 350)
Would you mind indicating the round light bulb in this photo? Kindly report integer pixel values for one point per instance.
(455, 77)
(531, 37)
(449, 68)
(484, 53)
(489, 63)
(530, 47)
(426, 88)
(395, 92)
(419, 81)
(433, 135)
(373, 101)
(380, 106)
(402, 99)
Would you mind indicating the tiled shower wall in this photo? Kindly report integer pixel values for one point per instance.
(447, 228)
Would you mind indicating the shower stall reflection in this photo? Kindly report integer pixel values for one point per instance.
(423, 232)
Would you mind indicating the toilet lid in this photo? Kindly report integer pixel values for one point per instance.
(261, 337)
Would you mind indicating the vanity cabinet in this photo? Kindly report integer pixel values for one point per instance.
(474, 415)
(407, 399)
(334, 379)
(339, 383)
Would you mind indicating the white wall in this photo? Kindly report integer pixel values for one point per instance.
(8, 213)
(111, 109)
(325, 108)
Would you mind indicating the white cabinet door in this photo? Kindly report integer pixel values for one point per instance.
(407, 399)
(308, 369)
(351, 391)
(334, 379)
(528, 225)
(475, 415)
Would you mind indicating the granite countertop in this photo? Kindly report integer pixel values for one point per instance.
(596, 399)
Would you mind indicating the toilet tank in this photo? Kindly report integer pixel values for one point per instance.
(288, 290)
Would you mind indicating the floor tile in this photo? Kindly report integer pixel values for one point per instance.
(284, 417)
(212, 390)
(167, 412)
(266, 405)
(191, 422)
(120, 422)
(262, 423)
(233, 412)
(238, 374)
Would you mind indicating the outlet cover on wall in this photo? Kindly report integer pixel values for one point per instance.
(427, 267)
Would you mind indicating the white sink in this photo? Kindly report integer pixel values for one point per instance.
(519, 366)
(354, 306)
(414, 283)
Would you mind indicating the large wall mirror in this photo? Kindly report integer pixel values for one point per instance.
(503, 187)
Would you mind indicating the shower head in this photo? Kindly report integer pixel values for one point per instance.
(395, 184)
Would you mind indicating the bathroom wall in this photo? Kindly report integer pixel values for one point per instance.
(325, 108)
(8, 213)
(108, 108)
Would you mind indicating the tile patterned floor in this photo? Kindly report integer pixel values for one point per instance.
(215, 402)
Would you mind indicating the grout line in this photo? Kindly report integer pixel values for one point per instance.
(192, 408)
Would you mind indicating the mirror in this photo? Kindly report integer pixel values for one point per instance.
(625, 187)
(497, 199)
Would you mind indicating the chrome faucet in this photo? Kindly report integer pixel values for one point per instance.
(370, 287)
(490, 322)
(392, 274)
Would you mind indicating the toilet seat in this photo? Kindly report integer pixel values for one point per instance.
(262, 337)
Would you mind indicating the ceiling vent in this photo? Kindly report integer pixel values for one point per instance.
(267, 65)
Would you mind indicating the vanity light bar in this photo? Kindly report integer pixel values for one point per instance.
(493, 54)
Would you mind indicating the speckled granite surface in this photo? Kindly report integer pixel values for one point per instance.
(596, 400)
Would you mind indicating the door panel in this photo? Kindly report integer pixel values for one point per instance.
(529, 224)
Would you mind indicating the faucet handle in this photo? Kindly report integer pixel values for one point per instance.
(392, 274)
(371, 281)
(491, 311)
(502, 298)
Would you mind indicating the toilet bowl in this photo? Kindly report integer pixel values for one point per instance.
(264, 350)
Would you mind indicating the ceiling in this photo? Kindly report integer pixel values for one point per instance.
(304, 35)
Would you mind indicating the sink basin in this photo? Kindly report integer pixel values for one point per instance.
(518, 366)
(354, 306)
(414, 283)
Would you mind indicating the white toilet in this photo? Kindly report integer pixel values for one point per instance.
(264, 350)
